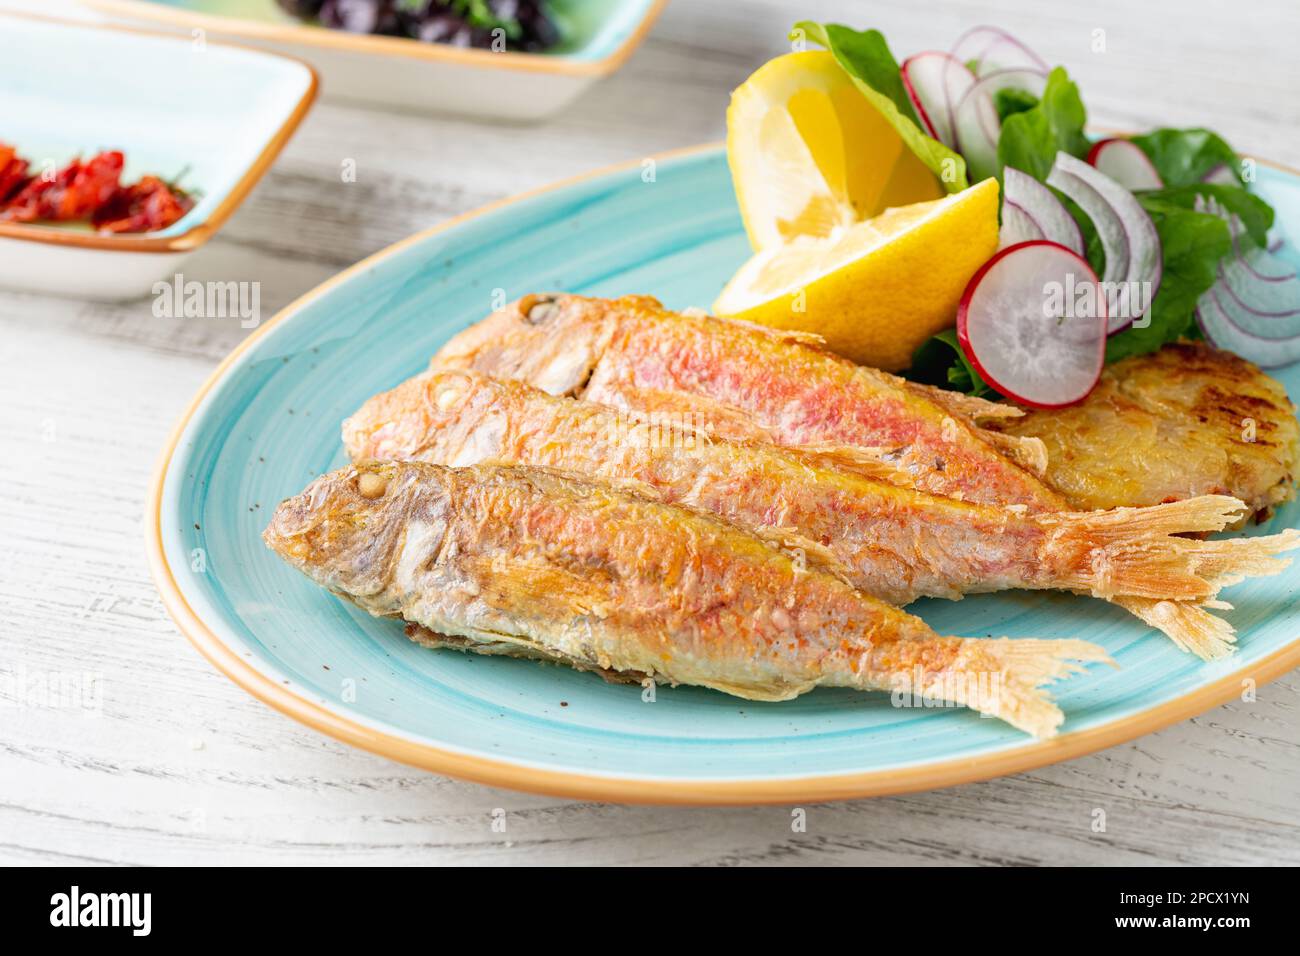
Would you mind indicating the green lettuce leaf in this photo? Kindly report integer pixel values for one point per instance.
(865, 56)
(1193, 243)
(1183, 156)
(1030, 139)
(1010, 100)
(1255, 214)
(940, 361)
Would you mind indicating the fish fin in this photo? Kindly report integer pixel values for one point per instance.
(1139, 552)
(1026, 451)
(537, 581)
(490, 645)
(697, 414)
(1188, 625)
(1022, 700)
(778, 335)
(805, 550)
(968, 406)
(868, 462)
(1004, 678)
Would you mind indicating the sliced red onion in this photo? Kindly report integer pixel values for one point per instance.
(1220, 330)
(1267, 295)
(1018, 226)
(976, 122)
(993, 49)
(1017, 324)
(935, 81)
(1052, 218)
(1264, 325)
(1220, 175)
(1255, 300)
(1128, 236)
(1125, 163)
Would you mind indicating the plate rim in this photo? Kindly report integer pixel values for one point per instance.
(625, 788)
(200, 232)
(310, 36)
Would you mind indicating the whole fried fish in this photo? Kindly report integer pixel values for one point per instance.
(602, 579)
(1186, 420)
(746, 381)
(752, 382)
(893, 542)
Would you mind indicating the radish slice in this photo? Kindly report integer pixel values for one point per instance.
(1266, 353)
(1220, 175)
(1264, 325)
(1017, 226)
(1032, 322)
(1053, 219)
(1125, 163)
(993, 50)
(1128, 236)
(934, 82)
(976, 122)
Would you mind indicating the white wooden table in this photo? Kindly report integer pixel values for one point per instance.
(178, 765)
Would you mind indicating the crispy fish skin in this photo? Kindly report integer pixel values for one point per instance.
(601, 578)
(892, 542)
(760, 383)
(1186, 420)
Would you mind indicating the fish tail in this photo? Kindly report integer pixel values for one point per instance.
(1190, 626)
(1139, 552)
(1000, 678)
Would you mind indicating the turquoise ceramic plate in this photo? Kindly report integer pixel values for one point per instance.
(268, 422)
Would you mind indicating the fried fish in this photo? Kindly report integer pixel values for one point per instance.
(599, 578)
(744, 381)
(752, 382)
(894, 542)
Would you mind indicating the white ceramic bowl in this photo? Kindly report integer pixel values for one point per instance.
(221, 112)
(599, 35)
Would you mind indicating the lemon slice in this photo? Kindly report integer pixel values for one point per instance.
(809, 154)
(875, 290)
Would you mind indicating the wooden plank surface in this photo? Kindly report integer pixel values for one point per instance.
(177, 765)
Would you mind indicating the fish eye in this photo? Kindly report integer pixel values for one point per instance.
(447, 396)
(536, 309)
(371, 485)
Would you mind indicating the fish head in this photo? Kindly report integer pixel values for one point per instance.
(550, 340)
(349, 530)
(446, 416)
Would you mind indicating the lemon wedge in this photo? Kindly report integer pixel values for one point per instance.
(809, 154)
(876, 289)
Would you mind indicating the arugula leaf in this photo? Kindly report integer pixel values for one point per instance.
(1030, 139)
(1009, 100)
(1255, 214)
(1193, 243)
(865, 56)
(935, 364)
(1183, 156)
